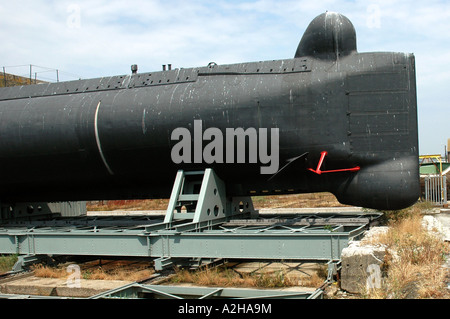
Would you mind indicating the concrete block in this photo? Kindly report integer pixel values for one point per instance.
(438, 224)
(58, 287)
(361, 265)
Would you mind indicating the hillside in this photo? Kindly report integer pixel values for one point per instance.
(7, 79)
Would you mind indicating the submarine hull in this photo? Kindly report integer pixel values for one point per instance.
(344, 123)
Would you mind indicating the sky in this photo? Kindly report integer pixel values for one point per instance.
(96, 38)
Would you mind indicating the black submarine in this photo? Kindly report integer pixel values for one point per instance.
(330, 119)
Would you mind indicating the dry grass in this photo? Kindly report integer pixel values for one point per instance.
(109, 205)
(296, 201)
(226, 277)
(110, 271)
(398, 215)
(414, 261)
(272, 201)
(7, 262)
(315, 281)
(49, 272)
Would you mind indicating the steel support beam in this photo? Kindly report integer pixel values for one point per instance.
(269, 243)
(211, 231)
(138, 291)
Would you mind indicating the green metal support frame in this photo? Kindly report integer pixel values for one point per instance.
(207, 229)
(268, 244)
(140, 291)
